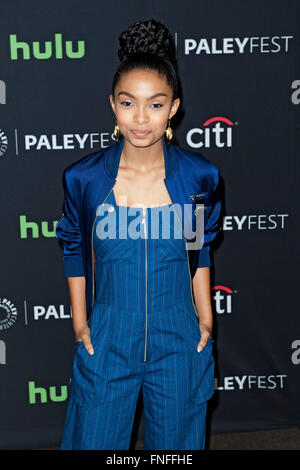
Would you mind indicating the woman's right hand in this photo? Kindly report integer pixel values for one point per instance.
(85, 335)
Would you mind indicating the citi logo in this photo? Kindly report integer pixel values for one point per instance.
(223, 299)
(36, 230)
(2, 92)
(57, 49)
(215, 132)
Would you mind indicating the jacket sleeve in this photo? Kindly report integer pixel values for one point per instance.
(68, 232)
(212, 224)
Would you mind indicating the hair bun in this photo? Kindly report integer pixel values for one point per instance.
(147, 37)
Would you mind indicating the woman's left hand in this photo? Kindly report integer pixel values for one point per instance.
(205, 335)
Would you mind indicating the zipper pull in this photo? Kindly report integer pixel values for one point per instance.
(193, 196)
(144, 220)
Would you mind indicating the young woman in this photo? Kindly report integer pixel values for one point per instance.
(138, 220)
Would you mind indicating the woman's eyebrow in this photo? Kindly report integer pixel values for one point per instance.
(131, 96)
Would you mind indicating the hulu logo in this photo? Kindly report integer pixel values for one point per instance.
(49, 49)
(35, 229)
(42, 395)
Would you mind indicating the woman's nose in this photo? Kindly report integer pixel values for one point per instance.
(141, 115)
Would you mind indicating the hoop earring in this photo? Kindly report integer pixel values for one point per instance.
(169, 132)
(117, 132)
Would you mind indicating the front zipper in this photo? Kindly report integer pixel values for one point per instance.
(92, 236)
(146, 295)
(188, 263)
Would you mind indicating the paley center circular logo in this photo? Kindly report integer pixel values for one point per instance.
(3, 142)
(8, 314)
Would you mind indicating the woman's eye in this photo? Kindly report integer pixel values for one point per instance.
(157, 105)
(127, 103)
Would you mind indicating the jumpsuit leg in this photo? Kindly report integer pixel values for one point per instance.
(106, 426)
(173, 421)
(106, 386)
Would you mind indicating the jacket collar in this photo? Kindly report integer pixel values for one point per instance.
(113, 155)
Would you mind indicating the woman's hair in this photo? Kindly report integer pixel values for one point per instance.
(148, 45)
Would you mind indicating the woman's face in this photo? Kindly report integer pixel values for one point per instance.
(142, 106)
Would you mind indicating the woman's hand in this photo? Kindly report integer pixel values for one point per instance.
(85, 335)
(205, 335)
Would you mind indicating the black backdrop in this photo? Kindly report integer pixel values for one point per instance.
(240, 76)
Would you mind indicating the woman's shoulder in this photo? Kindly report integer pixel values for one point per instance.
(196, 163)
(193, 156)
(81, 168)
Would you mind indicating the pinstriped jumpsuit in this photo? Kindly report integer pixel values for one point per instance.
(145, 332)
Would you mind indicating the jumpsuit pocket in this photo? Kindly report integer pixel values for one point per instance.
(202, 371)
(89, 374)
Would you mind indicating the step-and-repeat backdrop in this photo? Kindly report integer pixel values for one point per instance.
(239, 66)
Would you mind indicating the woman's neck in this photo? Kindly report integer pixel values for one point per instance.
(142, 159)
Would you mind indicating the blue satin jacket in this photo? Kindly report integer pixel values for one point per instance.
(190, 179)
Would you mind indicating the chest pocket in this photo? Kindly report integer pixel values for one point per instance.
(201, 202)
(196, 197)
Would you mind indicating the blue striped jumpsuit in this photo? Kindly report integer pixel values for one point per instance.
(145, 331)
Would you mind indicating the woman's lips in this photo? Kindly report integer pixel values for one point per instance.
(140, 134)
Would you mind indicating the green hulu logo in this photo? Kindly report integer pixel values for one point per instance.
(34, 228)
(40, 394)
(49, 49)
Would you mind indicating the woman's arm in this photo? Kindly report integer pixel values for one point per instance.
(79, 318)
(201, 279)
(68, 231)
(202, 296)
